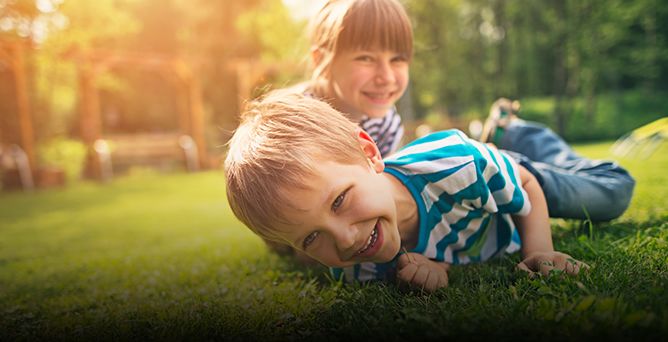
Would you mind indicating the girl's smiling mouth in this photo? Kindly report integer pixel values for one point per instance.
(378, 96)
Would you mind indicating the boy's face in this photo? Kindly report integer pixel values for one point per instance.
(346, 214)
(368, 82)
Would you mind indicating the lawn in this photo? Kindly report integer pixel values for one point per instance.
(155, 257)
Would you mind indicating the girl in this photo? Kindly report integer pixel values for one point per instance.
(361, 51)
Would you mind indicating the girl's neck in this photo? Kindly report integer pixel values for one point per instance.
(323, 90)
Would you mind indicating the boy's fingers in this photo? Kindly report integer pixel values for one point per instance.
(421, 276)
(523, 266)
(560, 262)
(432, 283)
(546, 267)
(443, 280)
(407, 273)
(574, 266)
(402, 261)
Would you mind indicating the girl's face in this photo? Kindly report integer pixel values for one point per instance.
(367, 82)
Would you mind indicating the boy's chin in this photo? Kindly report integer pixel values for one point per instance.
(388, 255)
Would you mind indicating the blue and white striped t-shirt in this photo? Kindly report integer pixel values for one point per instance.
(465, 193)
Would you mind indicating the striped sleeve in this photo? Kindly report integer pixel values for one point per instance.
(502, 177)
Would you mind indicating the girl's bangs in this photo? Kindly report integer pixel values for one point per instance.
(372, 26)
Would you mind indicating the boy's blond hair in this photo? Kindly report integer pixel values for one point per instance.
(280, 139)
(343, 25)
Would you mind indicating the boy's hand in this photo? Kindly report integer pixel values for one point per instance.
(420, 272)
(544, 262)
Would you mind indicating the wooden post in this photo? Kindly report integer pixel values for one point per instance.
(179, 72)
(195, 111)
(90, 123)
(27, 135)
(197, 121)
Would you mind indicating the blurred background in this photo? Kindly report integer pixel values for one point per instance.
(164, 80)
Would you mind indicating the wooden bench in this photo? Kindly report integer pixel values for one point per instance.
(15, 168)
(163, 151)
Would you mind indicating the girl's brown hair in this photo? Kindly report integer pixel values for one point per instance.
(343, 25)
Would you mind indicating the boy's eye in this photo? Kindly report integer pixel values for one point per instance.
(338, 201)
(309, 239)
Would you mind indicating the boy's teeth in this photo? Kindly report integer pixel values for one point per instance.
(369, 241)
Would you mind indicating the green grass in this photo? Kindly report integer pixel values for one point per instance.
(154, 257)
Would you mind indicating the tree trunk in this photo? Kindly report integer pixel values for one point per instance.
(560, 70)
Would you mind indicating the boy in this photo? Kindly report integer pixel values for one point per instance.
(300, 173)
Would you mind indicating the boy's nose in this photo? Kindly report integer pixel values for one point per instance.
(345, 237)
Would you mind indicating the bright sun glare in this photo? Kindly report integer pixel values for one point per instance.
(303, 9)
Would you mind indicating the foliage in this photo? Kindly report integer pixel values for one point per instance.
(577, 55)
(468, 53)
(208, 35)
(153, 257)
(63, 153)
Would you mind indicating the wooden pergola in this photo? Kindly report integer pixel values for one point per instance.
(12, 55)
(251, 73)
(92, 63)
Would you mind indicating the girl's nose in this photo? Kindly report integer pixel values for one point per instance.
(384, 72)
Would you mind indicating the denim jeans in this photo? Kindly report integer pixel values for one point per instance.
(575, 187)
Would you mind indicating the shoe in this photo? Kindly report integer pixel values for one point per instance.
(475, 129)
(503, 111)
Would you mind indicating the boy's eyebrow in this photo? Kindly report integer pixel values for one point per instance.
(328, 197)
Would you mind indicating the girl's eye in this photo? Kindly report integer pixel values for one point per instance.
(309, 239)
(400, 58)
(338, 201)
(364, 58)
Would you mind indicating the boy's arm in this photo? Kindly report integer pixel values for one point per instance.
(534, 228)
(535, 232)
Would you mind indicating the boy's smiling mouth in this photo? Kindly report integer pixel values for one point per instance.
(372, 243)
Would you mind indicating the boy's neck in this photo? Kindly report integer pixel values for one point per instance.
(408, 218)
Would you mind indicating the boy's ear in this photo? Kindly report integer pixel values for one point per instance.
(370, 150)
